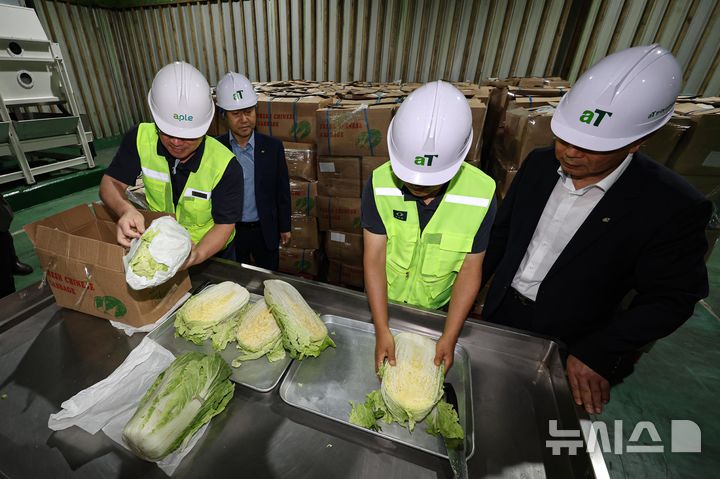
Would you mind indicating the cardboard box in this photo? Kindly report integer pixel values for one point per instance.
(339, 214)
(345, 275)
(339, 176)
(354, 128)
(503, 174)
(662, 143)
(524, 131)
(303, 262)
(698, 152)
(218, 126)
(78, 251)
(289, 118)
(303, 198)
(368, 165)
(344, 247)
(304, 231)
(478, 111)
(300, 159)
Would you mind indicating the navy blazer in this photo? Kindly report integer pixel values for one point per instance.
(272, 186)
(647, 234)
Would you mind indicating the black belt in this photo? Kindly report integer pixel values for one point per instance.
(524, 300)
(249, 225)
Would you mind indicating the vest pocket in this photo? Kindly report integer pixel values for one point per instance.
(400, 252)
(197, 212)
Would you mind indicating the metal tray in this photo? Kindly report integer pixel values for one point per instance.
(325, 385)
(259, 374)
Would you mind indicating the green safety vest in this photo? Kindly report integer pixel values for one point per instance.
(194, 209)
(421, 267)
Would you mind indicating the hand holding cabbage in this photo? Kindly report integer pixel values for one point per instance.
(410, 392)
(158, 254)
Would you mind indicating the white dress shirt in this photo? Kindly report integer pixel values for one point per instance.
(564, 213)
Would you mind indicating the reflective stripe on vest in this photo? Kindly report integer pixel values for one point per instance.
(421, 267)
(194, 209)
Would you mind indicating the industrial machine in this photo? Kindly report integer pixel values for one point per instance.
(32, 74)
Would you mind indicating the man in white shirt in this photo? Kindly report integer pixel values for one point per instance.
(591, 220)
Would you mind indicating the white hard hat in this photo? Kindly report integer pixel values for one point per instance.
(430, 135)
(622, 98)
(180, 101)
(235, 92)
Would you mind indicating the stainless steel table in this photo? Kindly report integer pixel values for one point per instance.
(48, 354)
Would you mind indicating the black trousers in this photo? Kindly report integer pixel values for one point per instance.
(250, 247)
(7, 260)
(515, 311)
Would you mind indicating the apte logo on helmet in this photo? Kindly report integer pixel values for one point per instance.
(237, 96)
(182, 117)
(587, 116)
(425, 160)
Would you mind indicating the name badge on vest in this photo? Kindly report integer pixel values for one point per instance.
(400, 215)
(193, 193)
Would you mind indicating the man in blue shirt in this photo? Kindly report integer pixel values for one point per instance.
(266, 202)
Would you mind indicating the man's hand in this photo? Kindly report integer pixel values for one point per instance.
(191, 259)
(130, 225)
(589, 389)
(445, 352)
(285, 238)
(384, 348)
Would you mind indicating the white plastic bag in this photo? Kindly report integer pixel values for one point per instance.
(170, 246)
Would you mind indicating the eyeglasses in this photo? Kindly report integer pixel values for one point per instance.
(170, 137)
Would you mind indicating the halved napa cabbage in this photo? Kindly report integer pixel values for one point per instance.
(303, 332)
(211, 314)
(258, 334)
(411, 391)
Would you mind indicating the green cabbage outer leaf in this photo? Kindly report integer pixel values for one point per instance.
(193, 389)
(303, 332)
(212, 313)
(444, 421)
(367, 414)
(143, 264)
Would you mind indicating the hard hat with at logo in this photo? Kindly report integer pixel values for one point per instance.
(622, 98)
(180, 101)
(430, 135)
(235, 92)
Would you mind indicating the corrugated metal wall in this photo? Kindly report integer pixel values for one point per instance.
(113, 54)
(689, 28)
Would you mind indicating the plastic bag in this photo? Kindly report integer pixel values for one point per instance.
(155, 257)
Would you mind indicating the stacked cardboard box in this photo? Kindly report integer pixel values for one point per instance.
(302, 255)
(512, 93)
(340, 186)
(698, 151)
(524, 130)
(354, 127)
(290, 117)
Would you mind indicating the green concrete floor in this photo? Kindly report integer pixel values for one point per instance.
(677, 380)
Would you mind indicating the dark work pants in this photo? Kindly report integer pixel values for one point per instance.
(7, 260)
(250, 247)
(515, 311)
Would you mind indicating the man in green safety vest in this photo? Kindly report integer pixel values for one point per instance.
(184, 172)
(426, 217)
